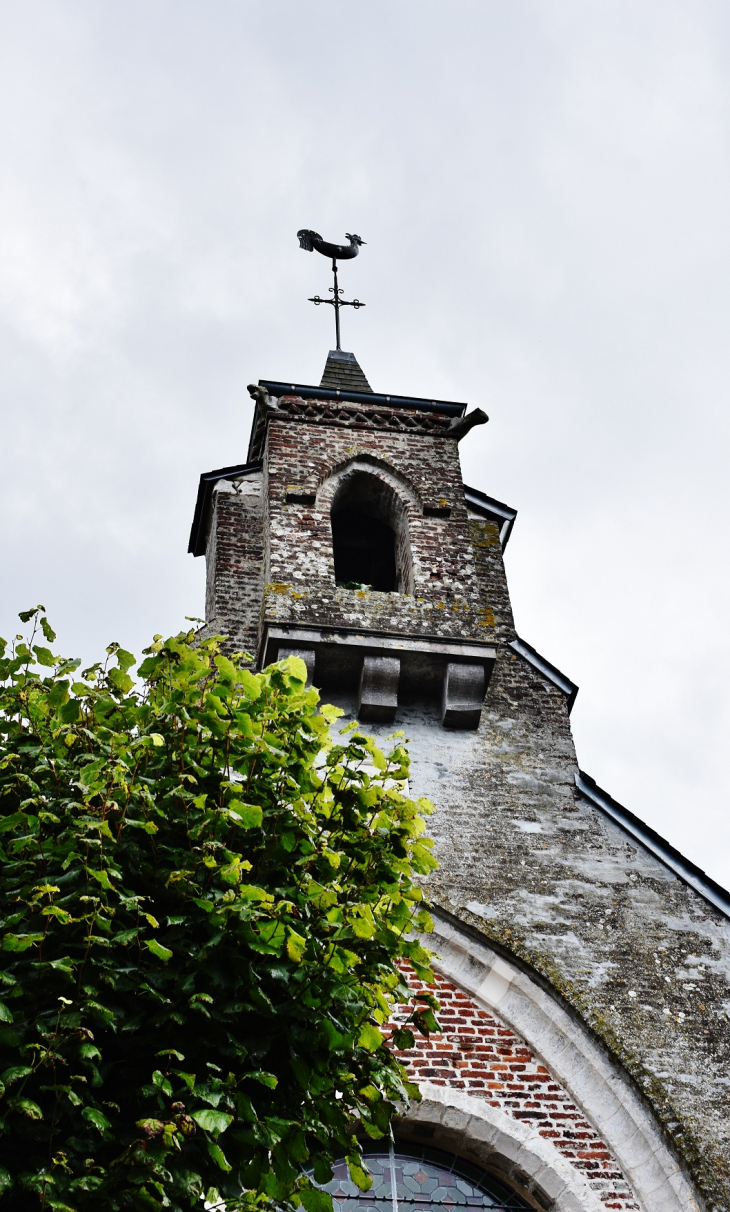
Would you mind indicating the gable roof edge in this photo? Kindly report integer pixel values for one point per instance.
(495, 510)
(199, 529)
(652, 841)
(549, 671)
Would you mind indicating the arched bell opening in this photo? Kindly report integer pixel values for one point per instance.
(370, 535)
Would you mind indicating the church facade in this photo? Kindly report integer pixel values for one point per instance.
(583, 964)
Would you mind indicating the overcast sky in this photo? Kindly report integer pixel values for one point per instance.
(544, 189)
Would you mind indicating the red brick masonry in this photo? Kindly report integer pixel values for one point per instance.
(478, 1054)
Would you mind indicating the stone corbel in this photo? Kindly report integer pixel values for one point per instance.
(460, 426)
(378, 697)
(463, 695)
(377, 667)
(261, 397)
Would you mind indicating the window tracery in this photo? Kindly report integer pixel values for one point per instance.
(415, 1178)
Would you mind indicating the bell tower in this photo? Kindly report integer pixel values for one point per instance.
(584, 964)
(346, 537)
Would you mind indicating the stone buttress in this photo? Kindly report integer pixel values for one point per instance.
(569, 933)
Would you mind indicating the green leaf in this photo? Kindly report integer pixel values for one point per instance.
(44, 656)
(403, 1038)
(357, 1173)
(212, 1121)
(157, 949)
(251, 685)
(70, 712)
(162, 1083)
(295, 946)
(296, 667)
(6, 1015)
(272, 935)
(248, 816)
(58, 693)
(227, 670)
(251, 892)
(378, 759)
(97, 1118)
(316, 1201)
(266, 1079)
(12, 821)
(27, 1107)
(120, 680)
(362, 928)
(47, 630)
(6, 1181)
(26, 615)
(20, 942)
(370, 1037)
(218, 1155)
(14, 1074)
(125, 660)
(102, 878)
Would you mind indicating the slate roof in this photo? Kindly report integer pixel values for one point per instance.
(342, 372)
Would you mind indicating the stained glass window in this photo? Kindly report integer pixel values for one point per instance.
(418, 1179)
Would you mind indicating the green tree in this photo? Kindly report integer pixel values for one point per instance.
(206, 905)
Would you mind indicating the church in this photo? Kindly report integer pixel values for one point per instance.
(583, 963)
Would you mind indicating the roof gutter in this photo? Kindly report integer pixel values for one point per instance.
(446, 407)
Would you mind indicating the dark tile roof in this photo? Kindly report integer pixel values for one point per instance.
(342, 373)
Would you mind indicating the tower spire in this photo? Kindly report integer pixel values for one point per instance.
(343, 373)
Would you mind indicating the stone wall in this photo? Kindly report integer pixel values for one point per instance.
(305, 464)
(525, 861)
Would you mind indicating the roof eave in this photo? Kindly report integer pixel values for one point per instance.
(199, 529)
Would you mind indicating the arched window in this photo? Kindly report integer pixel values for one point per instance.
(369, 535)
(413, 1178)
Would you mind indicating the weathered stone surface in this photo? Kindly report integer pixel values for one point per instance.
(461, 706)
(640, 958)
(378, 696)
(443, 598)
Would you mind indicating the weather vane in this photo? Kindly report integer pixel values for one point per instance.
(310, 240)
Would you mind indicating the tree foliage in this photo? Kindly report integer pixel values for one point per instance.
(206, 903)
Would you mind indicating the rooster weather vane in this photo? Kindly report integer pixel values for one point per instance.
(310, 240)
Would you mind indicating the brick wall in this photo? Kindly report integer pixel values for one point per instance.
(487, 549)
(424, 470)
(235, 564)
(478, 1054)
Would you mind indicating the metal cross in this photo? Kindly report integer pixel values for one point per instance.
(337, 302)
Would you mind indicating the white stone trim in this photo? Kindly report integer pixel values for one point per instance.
(404, 492)
(491, 1137)
(599, 1087)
